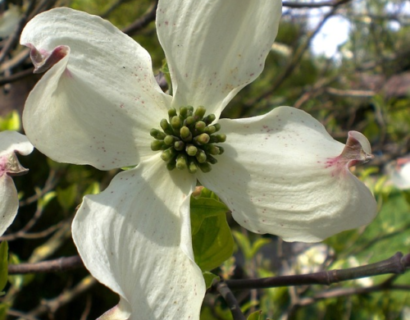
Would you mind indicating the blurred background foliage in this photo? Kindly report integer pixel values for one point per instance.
(364, 85)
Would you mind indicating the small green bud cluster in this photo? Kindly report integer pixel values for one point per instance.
(188, 139)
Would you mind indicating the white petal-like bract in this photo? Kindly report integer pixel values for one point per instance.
(99, 99)
(215, 48)
(135, 237)
(283, 174)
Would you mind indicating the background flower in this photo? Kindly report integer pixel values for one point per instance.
(10, 143)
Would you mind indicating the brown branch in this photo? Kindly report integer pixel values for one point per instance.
(17, 76)
(142, 22)
(299, 5)
(230, 299)
(57, 265)
(396, 264)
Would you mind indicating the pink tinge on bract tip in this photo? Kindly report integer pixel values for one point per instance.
(356, 150)
(44, 60)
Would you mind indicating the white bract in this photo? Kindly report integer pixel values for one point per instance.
(281, 173)
(10, 143)
(399, 172)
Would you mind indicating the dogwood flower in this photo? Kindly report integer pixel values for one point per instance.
(99, 104)
(10, 143)
(399, 172)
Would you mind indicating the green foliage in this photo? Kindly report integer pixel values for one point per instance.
(67, 196)
(4, 253)
(257, 315)
(4, 307)
(248, 248)
(209, 278)
(10, 122)
(211, 235)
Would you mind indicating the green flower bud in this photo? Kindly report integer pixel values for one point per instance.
(191, 150)
(205, 167)
(159, 135)
(157, 145)
(209, 119)
(200, 126)
(171, 165)
(181, 162)
(202, 138)
(166, 127)
(179, 145)
(172, 113)
(201, 156)
(211, 159)
(168, 154)
(192, 166)
(169, 140)
(199, 113)
(176, 123)
(185, 134)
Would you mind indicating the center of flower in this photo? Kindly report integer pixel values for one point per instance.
(188, 139)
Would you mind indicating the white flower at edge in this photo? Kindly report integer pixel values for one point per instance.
(10, 143)
(281, 173)
(9, 21)
(399, 172)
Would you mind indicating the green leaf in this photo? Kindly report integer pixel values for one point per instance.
(10, 122)
(209, 278)
(257, 315)
(93, 188)
(4, 252)
(4, 307)
(66, 197)
(244, 243)
(211, 236)
(249, 250)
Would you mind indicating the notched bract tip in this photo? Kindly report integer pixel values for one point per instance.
(44, 60)
(10, 165)
(357, 149)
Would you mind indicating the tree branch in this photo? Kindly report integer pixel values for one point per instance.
(396, 264)
(143, 21)
(299, 5)
(57, 265)
(231, 301)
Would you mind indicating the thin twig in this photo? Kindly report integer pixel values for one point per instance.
(57, 265)
(64, 298)
(16, 76)
(231, 301)
(143, 21)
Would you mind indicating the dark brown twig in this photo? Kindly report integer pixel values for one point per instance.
(142, 22)
(230, 299)
(299, 5)
(58, 265)
(396, 264)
